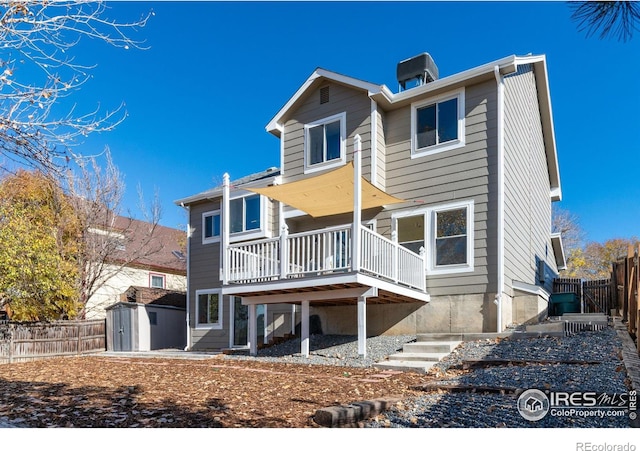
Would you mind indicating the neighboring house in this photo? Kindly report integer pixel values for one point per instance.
(425, 210)
(148, 256)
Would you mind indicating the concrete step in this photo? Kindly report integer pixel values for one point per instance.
(430, 346)
(466, 336)
(418, 356)
(405, 365)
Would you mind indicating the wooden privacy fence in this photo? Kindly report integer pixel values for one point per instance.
(596, 296)
(20, 342)
(626, 275)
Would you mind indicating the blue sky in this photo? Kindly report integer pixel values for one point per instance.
(216, 73)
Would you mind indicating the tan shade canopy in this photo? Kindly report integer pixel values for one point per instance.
(328, 194)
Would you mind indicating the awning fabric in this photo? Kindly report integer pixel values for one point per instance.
(328, 194)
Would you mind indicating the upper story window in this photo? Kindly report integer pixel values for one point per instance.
(211, 227)
(245, 214)
(324, 143)
(247, 220)
(437, 124)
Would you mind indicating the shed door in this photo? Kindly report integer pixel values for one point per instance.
(122, 329)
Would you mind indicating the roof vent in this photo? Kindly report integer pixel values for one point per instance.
(420, 68)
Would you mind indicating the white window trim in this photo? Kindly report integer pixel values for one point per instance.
(217, 325)
(431, 233)
(430, 239)
(449, 145)
(213, 239)
(260, 232)
(162, 276)
(309, 168)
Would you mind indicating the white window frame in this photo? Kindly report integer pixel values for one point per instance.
(430, 238)
(161, 276)
(310, 168)
(215, 238)
(217, 325)
(260, 232)
(432, 268)
(438, 147)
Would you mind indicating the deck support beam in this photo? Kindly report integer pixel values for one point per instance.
(362, 320)
(362, 326)
(304, 332)
(253, 330)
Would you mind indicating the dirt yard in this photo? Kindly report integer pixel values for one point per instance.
(116, 392)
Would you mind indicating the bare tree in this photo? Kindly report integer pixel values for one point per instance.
(616, 19)
(38, 69)
(568, 225)
(112, 242)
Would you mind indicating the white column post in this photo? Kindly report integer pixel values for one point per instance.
(225, 229)
(362, 326)
(304, 333)
(284, 251)
(394, 238)
(253, 331)
(357, 203)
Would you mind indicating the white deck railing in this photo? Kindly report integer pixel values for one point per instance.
(324, 251)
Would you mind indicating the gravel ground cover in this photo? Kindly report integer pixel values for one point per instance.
(335, 350)
(482, 409)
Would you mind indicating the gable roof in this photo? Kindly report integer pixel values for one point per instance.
(387, 100)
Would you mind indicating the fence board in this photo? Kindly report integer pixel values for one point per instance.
(597, 296)
(30, 341)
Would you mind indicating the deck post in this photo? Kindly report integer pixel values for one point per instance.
(284, 251)
(362, 325)
(394, 262)
(253, 331)
(357, 203)
(225, 229)
(304, 333)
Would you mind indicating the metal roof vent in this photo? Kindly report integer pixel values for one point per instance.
(420, 68)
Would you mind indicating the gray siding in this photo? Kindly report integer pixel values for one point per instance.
(382, 150)
(527, 187)
(357, 106)
(204, 273)
(466, 173)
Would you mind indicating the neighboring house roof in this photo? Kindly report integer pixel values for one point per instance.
(388, 100)
(262, 178)
(155, 296)
(151, 246)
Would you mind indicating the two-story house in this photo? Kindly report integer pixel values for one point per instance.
(142, 254)
(422, 210)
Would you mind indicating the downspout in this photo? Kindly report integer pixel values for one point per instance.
(186, 207)
(500, 151)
